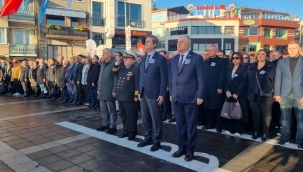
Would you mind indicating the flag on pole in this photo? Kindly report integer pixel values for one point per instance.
(42, 10)
(25, 5)
(10, 7)
(69, 3)
(128, 38)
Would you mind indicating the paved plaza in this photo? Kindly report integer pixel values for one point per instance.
(39, 135)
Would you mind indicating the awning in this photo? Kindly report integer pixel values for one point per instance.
(65, 12)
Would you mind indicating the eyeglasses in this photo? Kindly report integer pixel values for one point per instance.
(235, 58)
(245, 57)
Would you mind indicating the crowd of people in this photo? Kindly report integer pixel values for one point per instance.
(185, 86)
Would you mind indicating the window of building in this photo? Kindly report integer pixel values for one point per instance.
(21, 36)
(56, 20)
(266, 47)
(97, 16)
(250, 48)
(228, 45)
(267, 33)
(1, 3)
(202, 46)
(172, 46)
(56, 50)
(178, 31)
(205, 30)
(74, 22)
(281, 34)
(158, 31)
(98, 38)
(2, 36)
(229, 29)
(278, 47)
(246, 31)
(133, 14)
(156, 18)
(253, 30)
(161, 44)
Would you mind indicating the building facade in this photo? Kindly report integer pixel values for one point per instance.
(108, 22)
(265, 29)
(18, 33)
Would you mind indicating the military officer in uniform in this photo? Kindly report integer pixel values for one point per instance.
(127, 93)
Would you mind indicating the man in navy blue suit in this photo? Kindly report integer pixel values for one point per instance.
(289, 92)
(186, 91)
(152, 89)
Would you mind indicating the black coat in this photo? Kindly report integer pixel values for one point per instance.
(77, 73)
(93, 75)
(51, 73)
(238, 85)
(215, 73)
(24, 73)
(128, 82)
(266, 80)
(41, 73)
(61, 76)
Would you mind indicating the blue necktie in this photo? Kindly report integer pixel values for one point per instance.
(147, 61)
(180, 63)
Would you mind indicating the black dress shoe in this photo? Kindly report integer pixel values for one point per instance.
(132, 137)
(207, 127)
(264, 138)
(155, 147)
(124, 134)
(79, 103)
(179, 153)
(164, 118)
(173, 119)
(74, 103)
(189, 156)
(145, 143)
(255, 135)
(102, 128)
(111, 131)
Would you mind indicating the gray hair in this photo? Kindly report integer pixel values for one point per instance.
(187, 37)
(154, 39)
(278, 52)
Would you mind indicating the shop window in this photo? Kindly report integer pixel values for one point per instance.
(281, 34)
(178, 31)
(98, 38)
(172, 46)
(267, 33)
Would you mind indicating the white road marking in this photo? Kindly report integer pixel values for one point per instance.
(161, 154)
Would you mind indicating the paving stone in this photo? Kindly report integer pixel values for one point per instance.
(61, 165)
(49, 159)
(39, 154)
(10, 155)
(68, 153)
(17, 160)
(50, 145)
(66, 140)
(79, 158)
(74, 169)
(58, 149)
(30, 150)
(40, 169)
(29, 166)
(23, 145)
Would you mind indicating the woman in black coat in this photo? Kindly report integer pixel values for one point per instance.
(41, 77)
(236, 89)
(260, 92)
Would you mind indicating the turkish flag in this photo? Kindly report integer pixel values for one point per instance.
(10, 7)
(140, 48)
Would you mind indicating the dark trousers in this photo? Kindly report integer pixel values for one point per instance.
(201, 114)
(17, 86)
(129, 115)
(235, 126)
(186, 117)
(64, 94)
(213, 115)
(94, 97)
(71, 93)
(78, 92)
(151, 117)
(261, 114)
(86, 94)
(35, 91)
(287, 103)
(166, 105)
(276, 114)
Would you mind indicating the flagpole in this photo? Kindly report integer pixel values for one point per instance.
(125, 23)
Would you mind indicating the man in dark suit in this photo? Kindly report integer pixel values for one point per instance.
(24, 78)
(187, 74)
(127, 93)
(215, 73)
(61, 82)
(76, 80)
(68, 80)
(92, 82)
(59, 64)
(152, 89)
(41, 77)
(289, 92)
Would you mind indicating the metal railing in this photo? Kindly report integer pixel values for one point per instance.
(23, 16)
(131, 23)
(97, 22)
(22, 49)
(66, 31)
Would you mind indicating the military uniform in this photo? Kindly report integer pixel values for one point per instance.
(127, 91)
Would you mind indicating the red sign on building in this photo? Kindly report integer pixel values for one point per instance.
(221, 7)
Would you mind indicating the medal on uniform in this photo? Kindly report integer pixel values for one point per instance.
(128, 75)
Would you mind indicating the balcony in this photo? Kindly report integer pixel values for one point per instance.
(97, 22)
(131, 23)
(27, 16)
(68, 33)
(22, 49)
